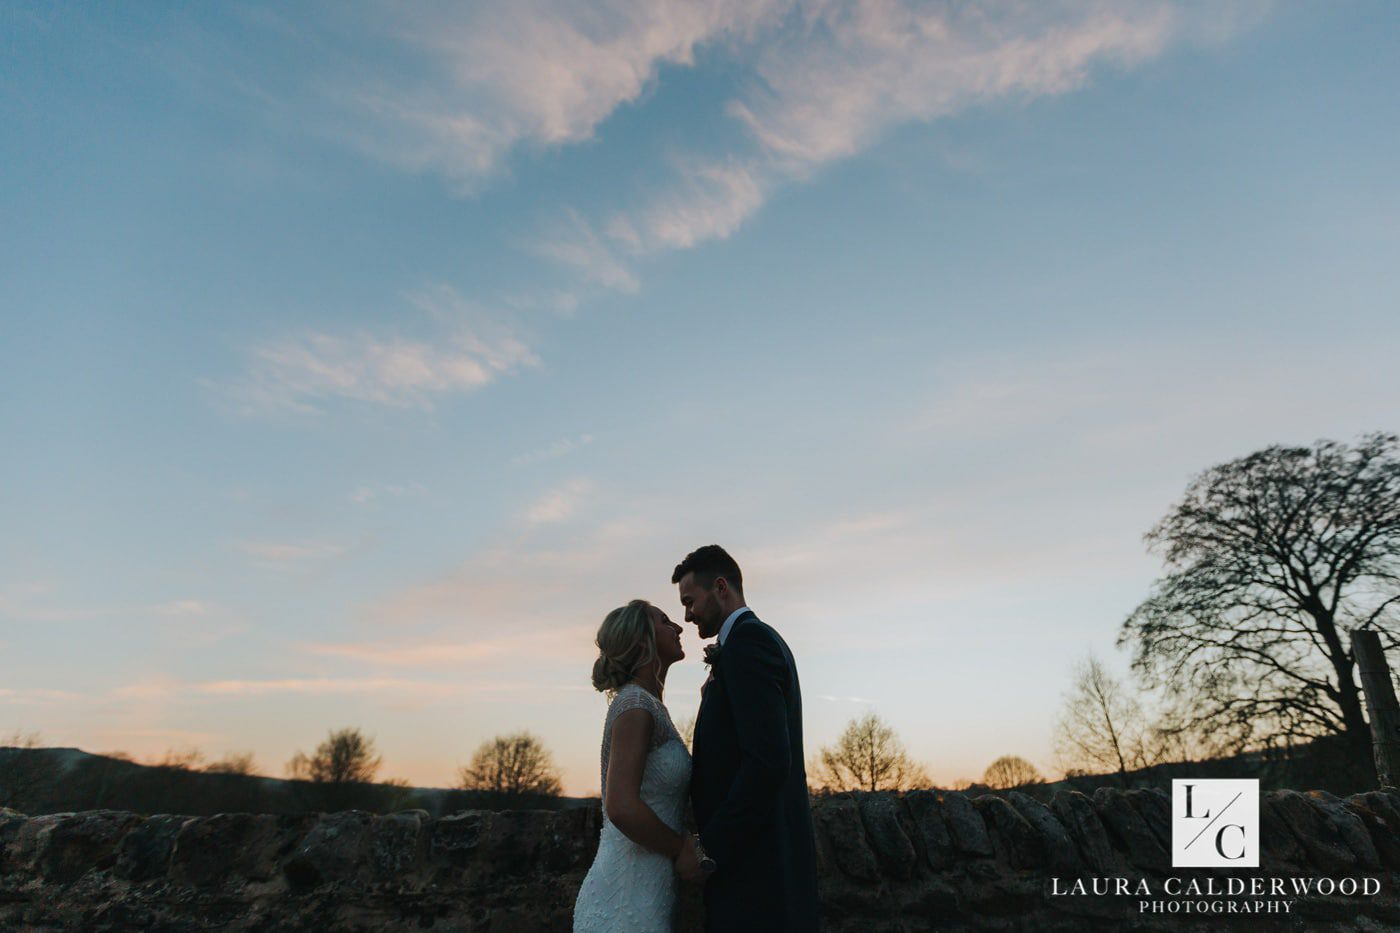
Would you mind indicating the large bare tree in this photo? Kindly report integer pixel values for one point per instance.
(512, 764)
(1272, 561)
(869, 756)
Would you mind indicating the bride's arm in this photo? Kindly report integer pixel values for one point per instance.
(627, 759)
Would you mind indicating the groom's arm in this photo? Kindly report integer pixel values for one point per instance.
(755, 676)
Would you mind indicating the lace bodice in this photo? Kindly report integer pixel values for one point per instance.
(629, 888)
(630, 697)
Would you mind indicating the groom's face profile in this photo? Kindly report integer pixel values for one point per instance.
(702, 606)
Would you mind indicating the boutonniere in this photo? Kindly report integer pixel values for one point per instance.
(711, 654)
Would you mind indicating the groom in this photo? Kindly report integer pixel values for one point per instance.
(749, 785)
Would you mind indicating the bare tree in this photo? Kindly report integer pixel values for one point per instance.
(1102, 727)
(512, 764)
(1272, 560)
(346, 756)
(1010, 772)
(398, 794)
(233, 763)
(868, 756)
(26, 772)
(187, 759)
(686, 728)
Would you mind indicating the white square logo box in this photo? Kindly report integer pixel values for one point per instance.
(1215, 823)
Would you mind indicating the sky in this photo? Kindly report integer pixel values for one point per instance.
(357, 358)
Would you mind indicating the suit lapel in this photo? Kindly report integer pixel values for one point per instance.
(707, 690)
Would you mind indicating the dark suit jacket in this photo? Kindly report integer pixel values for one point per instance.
(749, 788)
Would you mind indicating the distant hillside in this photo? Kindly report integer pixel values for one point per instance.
(1318, 765)
(61, 780)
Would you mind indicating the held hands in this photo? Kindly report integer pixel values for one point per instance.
(688, 862)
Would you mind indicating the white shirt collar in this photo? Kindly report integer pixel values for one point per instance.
(729, 623)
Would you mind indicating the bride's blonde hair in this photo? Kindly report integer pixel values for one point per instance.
(626, 643)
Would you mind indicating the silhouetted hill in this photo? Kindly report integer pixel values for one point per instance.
(1318, 765)
(62, 780)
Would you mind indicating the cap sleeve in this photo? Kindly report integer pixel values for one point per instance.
(632, 697)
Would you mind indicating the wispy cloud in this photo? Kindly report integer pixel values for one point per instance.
(852, 72)
(558, 504)
(572, 643)
(35, 602)
(39, 696)
(32, 602)
(572, 242)
(364, 495)
(185, 607)
(710, 201)
(528, 584)
(289, 556)
(327, 686)
(296, 374)
(558, 300)
(467, 348)
(489, 78)
(184, 737)
(458, 89)
(559, 448)
(828, 92)
(830, 80)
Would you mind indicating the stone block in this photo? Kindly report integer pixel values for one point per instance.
(395, 845)
(1372, 811)
(926, 814)
(29, 840)
(570, 839)
(337, 848)
(1079, 818)
(144, 853)
(1349, 827)
(1129, 831)
(838, 820)
(1155, 807)
(965, 825)
(1060, 851)
(1016, 842)
(82, 842)
(1320, 841)
(1279, 848)
(881, 815)
(225, 849)
(10, 823)
(514, 843)
(455, 841)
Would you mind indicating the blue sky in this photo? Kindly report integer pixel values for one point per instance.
(356, 362)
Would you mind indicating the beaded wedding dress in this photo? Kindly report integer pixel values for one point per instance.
(629, 888)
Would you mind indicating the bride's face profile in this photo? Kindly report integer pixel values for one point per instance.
(668, 637)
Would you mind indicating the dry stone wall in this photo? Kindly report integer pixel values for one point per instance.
(888, 862)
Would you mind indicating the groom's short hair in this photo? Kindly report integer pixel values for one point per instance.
(709, 563)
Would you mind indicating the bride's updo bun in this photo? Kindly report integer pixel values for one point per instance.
(626, 643)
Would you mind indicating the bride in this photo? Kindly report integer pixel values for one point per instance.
(631, 885)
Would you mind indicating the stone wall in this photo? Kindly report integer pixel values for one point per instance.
(916, 861)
